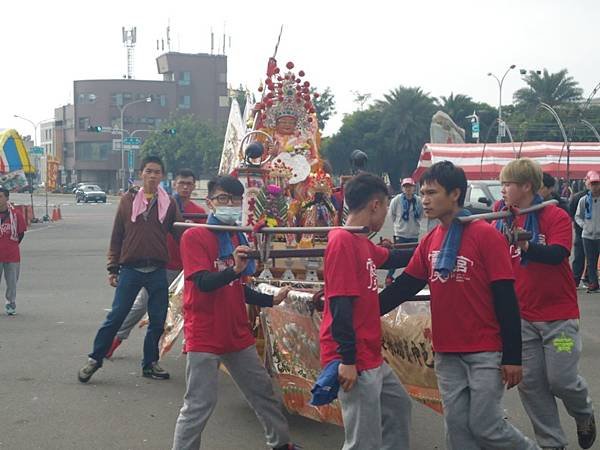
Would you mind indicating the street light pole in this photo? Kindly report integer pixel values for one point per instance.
(500, 83)
(552, 111)
(142, 100)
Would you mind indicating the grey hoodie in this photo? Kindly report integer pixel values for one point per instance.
(591, 227)
(402, 228)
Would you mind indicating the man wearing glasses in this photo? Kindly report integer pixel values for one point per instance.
(216, 324)
(185, 181)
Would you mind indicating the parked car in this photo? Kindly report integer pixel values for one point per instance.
(481, 195)
(78, 186)
(90, 193)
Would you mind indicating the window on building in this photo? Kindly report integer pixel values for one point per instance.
(185, 102)
(91, 98)
(116, 99)
(93, 151)
(81, 99)
(163, 101)
(84, 123)
(168, 76)
(148, 120)
(184, 78)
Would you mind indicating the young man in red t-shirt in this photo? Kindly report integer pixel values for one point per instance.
(12, 230)
(216, 324)
(549, 313)
(375, 407)
(474, 315)
(185, 180)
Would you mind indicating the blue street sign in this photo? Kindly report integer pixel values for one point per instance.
(130, 160)
(37, 150)
(132, 141)
(475, 127)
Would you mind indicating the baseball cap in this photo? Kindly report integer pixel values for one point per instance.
(412, 182)
(593, 176)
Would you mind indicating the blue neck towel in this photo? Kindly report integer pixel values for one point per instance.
(417, 209)
(588, 206)
(446, 260)
(532, 224)
(327, 385)
(226, 246)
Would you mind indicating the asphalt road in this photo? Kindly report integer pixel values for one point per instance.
(62, 299)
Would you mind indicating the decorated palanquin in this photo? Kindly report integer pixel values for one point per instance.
(273, 149)
(278, 159)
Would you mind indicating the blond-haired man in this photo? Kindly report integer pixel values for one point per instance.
(549, 312)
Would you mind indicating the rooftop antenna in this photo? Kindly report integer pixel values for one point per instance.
(169, 36)
(212, 42)
(129, 39)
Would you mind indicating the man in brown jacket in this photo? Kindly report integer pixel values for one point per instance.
(137, 258)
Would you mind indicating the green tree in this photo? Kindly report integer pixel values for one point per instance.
(551, 88)
(460, 106)
(196, 144)
(359, 130)
(405, 121)
(324, 105)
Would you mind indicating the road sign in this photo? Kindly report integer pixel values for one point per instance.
(475, 130)
(116, 145)
(37, 150)
(132, 141)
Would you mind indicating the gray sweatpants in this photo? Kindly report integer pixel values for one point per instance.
(11, 276)
(551, 352)
(376, 412)
(471, 388)
(252, 379)
(140, 307)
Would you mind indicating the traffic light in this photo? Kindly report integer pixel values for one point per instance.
(95, 129)
(170, 131)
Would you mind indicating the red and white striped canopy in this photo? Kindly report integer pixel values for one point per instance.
(485, 161)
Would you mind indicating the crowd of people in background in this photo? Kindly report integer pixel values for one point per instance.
(496, 321)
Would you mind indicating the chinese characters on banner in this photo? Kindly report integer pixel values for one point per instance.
(51, 174)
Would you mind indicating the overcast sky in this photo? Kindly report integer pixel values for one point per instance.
(366, 46)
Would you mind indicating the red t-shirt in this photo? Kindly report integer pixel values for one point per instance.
(350, 267)
(174, 254)
(463, 319)
(214, 322)
(547, 292)
(9, 248)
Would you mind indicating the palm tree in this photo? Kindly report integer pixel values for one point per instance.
(457, 106)
(552, 88)
(404, 129)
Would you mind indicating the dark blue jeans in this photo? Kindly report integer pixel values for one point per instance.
(578, 257)
(592, 252)
(401, 240)
(130, 283)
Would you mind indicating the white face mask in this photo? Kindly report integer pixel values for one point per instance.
(229, 215)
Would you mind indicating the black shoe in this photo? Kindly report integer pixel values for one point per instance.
(86, 372)
(155, 371)
(586, 432)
